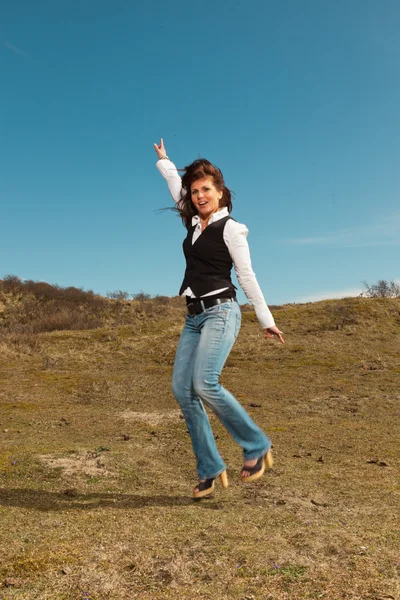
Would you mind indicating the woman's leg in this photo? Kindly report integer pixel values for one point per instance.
(219, 328)
(209, 462)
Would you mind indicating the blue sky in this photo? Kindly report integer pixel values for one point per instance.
(297, 103)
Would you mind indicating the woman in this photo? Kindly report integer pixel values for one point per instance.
(214, 243)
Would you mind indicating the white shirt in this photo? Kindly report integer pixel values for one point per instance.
(235, 235)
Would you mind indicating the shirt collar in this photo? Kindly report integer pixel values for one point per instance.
(220, 214)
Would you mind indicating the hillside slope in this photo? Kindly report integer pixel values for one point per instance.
(96, 467)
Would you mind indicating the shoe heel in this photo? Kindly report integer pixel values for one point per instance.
(223, 478)
(268, 460)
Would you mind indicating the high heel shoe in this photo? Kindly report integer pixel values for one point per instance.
(206, 487)
(264, 462)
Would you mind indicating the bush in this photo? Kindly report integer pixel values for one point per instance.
(141, 296)
(38, 306)
(61, 320)
(161, 300)
(31, 307)
(118, 295)
(11, 283)
(382, 289)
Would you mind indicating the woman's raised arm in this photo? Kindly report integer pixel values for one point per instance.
(169, 171)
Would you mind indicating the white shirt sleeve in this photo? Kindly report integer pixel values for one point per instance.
(170, 173)
(235, 235)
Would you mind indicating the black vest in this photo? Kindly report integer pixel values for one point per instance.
(208, 262)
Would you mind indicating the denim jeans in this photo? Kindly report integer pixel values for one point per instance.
(203, 348)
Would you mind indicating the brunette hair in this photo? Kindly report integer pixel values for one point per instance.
(199, 169)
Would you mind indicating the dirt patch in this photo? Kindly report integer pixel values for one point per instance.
(87, 463)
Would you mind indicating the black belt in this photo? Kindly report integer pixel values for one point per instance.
(195, 306)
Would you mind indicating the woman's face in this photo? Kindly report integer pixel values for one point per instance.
(205, 197)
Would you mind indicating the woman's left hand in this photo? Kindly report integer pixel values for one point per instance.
(273, 332)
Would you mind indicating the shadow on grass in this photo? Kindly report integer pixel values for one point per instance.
(71, 500)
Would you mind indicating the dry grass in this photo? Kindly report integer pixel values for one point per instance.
(96, 466)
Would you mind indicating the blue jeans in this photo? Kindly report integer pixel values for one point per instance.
(203, 348)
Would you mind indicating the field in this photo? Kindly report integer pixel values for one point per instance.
(96, 466)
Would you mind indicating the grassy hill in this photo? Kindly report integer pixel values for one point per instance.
(96, 466)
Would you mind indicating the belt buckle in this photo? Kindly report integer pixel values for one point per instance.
(191, 310)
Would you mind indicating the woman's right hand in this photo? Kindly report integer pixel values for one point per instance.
(160, 149)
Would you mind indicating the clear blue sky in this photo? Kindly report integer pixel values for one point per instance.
(297, 103)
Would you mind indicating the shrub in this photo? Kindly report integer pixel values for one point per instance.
(161, 300)
(32, 307)
(11, 283)
(62, 320)
(382, 289)
(38, 307)
(141, 296)
(118, 295)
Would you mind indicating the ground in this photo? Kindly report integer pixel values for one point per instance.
(96, 466)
